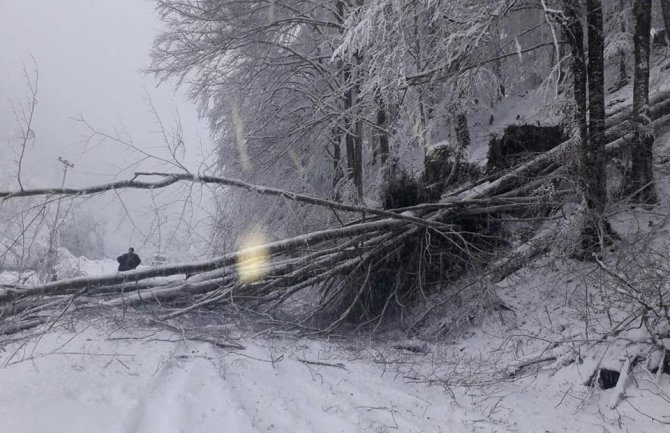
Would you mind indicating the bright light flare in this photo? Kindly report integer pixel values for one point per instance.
(253, 258)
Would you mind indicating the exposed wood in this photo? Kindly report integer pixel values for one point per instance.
(620, 385)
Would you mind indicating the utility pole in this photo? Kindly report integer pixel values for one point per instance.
(53, 235)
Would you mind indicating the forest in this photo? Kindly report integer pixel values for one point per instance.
(427, 173)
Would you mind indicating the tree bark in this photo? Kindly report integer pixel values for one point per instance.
(593, 156)
(353, 126)
(590, 141)
(640, 180)
(349, 139)
(339, 131)
(463, 140)
(462, 131)
(338, 173)
(358, 157)
(353, 135)
(575, 35)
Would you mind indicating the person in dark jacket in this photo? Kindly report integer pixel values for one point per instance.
(128, 261)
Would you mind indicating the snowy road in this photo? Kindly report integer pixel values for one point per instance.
(96, 378)
(120, 383)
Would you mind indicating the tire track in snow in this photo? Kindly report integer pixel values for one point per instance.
(276, 401)
(289, 396)
(168, 386)
(189, 396)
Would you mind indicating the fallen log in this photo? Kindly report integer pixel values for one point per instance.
(14, 326)
(327, 257)
(618, 121)
(659, 115)
(521, 256)
(219, 262)
(172, 178)
(167, 293)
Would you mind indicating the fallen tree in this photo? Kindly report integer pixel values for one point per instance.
(363, 262)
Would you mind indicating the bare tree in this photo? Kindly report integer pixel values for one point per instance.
(594, 149)
(25, 223)
(618, 39)
(280, 110)
(588, 118)
(640, 180)
(54, 231)
(24, 115)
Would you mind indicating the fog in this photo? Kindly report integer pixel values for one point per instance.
(89, 55)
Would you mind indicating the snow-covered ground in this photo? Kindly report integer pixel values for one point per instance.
(98, 379)
(68, 266)
(107, 375)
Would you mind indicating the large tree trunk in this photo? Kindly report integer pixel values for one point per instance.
(353, 140)
(575, 35)
(640, 180)
(349, 137)
(358, 157)
(462, 131)
(352, 124)
(338, 173)
(356, 129)
(463, 140)
(339, 131)
(591, 164)
(593, 151)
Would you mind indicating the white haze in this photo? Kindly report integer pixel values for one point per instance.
(90, 54)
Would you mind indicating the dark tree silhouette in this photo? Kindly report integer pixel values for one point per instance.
(639, 182)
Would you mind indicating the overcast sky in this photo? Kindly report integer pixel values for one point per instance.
(90, 54)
